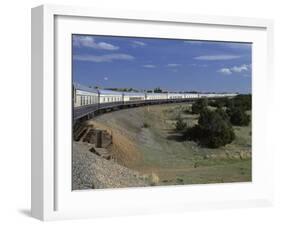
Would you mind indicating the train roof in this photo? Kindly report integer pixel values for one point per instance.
(84, 88)
(133, 94)
(111, 92)
(93, 90)
(154, 94)
(105, 91)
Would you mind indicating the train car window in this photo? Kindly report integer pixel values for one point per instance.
(77, 100)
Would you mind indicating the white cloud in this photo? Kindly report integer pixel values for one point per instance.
(235, 69)
(217, 57)
(225, 71)
(138, 43)
(105, 78)
(149, 66)
(173, 65)
(103, 58)
(198, 65)
(241, 68)
(88, 41)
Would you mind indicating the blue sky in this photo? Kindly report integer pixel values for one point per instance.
(173, 65)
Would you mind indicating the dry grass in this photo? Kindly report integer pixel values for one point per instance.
(156, 152)
(123, 149)
(152, 178)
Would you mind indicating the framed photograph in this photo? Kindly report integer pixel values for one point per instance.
(138, 112)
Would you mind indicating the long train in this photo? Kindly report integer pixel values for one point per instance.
(87, 100)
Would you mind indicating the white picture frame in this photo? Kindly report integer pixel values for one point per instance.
(52, 197)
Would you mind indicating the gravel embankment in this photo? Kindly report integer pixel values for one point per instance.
(91, 171)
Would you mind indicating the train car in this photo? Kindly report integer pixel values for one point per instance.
(83, 95)
(191, 95)
(156, 96)
(217, 95)
(109, 96)
(176, 96)
(133, 97)
(230, 94)
(203, 95)
(87, 100)
(212, 95)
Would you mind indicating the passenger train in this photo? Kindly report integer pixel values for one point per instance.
(85, 96)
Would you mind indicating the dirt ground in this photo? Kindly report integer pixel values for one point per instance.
(145, 140)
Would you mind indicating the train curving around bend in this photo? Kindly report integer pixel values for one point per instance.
(88, 101)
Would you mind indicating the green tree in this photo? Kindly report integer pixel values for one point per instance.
(199, 106)
(238, 117)
(157, 90)
(244, 102)
(223, 114)
(212, 130)
(180, 124)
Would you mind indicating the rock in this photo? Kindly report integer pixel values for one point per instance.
(92, 171)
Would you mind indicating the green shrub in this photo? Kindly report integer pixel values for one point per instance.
(218, 103)
(212, 131)
(244, 102)
(223, 114)
(179, 180)
(187, 110)
(145, 125)
(180, 124)
(238, 117)
(240, 101)
(222, 102)
(199, 106)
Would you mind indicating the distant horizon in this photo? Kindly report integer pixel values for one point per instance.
(173, 65)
